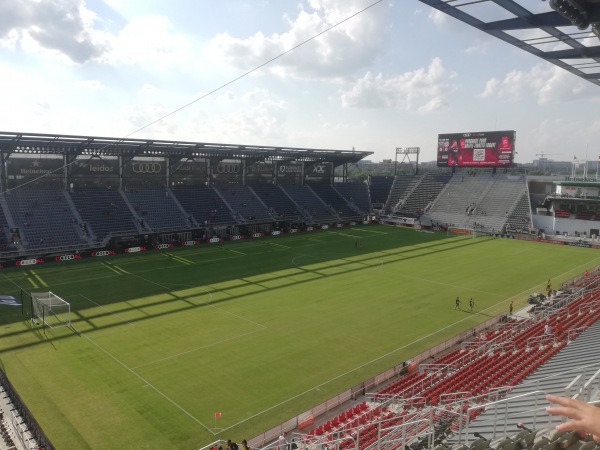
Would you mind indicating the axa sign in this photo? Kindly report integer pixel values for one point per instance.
(319, 168)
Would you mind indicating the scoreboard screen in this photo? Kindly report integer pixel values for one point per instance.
(480, 149)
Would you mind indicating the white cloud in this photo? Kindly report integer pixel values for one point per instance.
(352, 45)
(64, 27)
(149, 41)
(423, 90)
(547, 84)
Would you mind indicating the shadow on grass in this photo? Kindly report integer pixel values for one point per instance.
(347, 263)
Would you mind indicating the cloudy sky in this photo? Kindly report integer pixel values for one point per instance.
(394, 75)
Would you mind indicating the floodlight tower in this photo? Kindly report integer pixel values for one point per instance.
(406, 152)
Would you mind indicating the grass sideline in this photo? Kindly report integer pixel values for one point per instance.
(259, 330)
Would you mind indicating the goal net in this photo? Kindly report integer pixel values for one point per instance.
(52, 310)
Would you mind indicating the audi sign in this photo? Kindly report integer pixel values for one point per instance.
(214, 240)
(145, 168)
(29, 262)
(276, 233)
(162, 246)
(228, 168)
(70, 257)
(103, 253)
(135, 249)
(256, 235)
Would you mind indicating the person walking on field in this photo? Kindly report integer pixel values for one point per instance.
(471, 304)
(457, 303)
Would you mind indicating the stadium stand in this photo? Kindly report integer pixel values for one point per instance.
(401, 188)
(156, 209)
(379, 190)
(204, 204)
(281, 205)
(331, 197)
(44, 218)
(356, 194)
(105, 213)
(483, 201)
(245, 204)
(423, 195)
(310, 204)
(9, 240)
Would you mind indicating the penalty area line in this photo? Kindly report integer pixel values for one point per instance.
(147, 383)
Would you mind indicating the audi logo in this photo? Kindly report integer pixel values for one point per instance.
(67, 257)
(103, 253)
(228, 168)
(186, 243)
(146, 167)
(214, 240)
(162, 246)
(324, 227)
(310, 228)
(29, 262)
(319, 169)
(235, 238)
(256, 235)
(135, 249)
(293, 230)
(276, 233)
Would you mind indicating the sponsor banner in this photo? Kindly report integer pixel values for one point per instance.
(188, 168)
(324, 227)
(256, 235)
(260, 168)
(289, 169)
(236, 237)
(84, 168)
(339, 225)
(550, 241)
(365, 222)
(579, 244)
(100, 253)
(214, 240)
(146, 168)
(353, 224)
(228, 168)
(417, 227)
(318, 170)
(306, 422)
(30, 262)
(29, 168)
(276, 233)
(135, 249)
(9, 300)
(293, 230)
(310, 228)
(69, 257)
(190, 243)
(479, 149)
(162, 246)
(459, 231)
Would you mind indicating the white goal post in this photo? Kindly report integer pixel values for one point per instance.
(52, 310)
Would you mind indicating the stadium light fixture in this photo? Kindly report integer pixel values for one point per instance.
(581, 13)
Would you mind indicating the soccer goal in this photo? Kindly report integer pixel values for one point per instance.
(52, 310)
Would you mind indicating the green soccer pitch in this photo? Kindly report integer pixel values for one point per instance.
(257, 330)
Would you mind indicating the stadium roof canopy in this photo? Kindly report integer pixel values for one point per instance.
(73, 146)
(539, 30)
